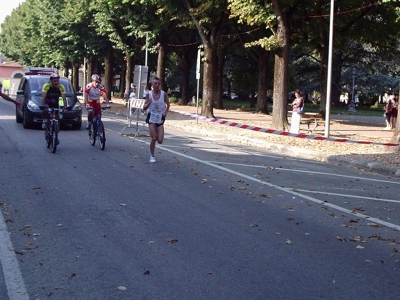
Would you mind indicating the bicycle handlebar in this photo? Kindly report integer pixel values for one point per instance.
(53, 108)
(97, 108)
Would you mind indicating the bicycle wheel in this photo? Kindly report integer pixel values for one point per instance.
(54, 129)
(47, 137)
(92, 134)
(102, 136)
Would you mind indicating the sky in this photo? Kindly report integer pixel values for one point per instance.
(7, 7)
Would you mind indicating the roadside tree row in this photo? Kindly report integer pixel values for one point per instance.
(251, 46)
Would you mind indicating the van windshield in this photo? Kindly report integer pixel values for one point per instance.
(36, 84)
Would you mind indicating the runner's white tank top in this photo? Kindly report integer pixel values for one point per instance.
(156, 107)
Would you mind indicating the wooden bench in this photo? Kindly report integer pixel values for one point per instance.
(311, 119)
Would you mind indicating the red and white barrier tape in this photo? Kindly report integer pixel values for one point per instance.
(281, 133)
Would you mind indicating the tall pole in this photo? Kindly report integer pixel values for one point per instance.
(329, 79)
(84, 69)
(198, 82)
(145, 59)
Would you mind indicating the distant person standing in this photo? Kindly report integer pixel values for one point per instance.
(157, 105)
(393, 115)
(298, 103)
(145, 92)
(388, 113)
(1, 87)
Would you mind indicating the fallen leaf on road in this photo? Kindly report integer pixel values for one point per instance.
(356, 239)
(374, 225)
(360, 247)
(340, 238)
(172, 241)
(147, 272)
(264, 195)
(254, 225)
(122, 288)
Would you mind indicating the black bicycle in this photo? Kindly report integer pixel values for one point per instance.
(96, 129)
(51, 133)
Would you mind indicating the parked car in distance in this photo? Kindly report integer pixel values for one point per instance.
(29, 94)
(233, 96)
(174, 93)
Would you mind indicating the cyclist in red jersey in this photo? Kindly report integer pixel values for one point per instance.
(91, 97)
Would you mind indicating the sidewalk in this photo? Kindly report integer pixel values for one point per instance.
(343, 126)
(353, 140)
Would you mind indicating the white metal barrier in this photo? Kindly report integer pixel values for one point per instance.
(135, 108)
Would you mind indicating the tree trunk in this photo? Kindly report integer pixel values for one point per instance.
(185, 60)
(324, 54)
(396, 134)
(75, 76)
(218, 103)
(210, 64)
(336, 77)
(210, 38)
(128, 75)
(123, 81)
(324, 71)
(262, 103)
(162, 52)
(108, 75)
(279, 116)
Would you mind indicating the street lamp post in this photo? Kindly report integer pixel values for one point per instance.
(352, 105)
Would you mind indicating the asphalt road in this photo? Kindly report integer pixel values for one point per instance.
(210, 220)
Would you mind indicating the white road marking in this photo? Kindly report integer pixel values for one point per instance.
(12, 275)
(349, 196)
(312, 172)
(286, 190)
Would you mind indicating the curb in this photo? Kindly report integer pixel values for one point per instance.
(278, 132)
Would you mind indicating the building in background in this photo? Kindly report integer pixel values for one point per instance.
(11, 73)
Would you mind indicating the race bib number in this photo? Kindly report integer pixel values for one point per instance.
(155, 118)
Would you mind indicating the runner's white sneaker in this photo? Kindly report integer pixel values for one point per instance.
(152, 159)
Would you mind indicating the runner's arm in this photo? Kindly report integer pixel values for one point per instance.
(6, 97)
(166, 100)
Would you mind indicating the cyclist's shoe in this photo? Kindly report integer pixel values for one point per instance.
(152, 159)
(58, 142)
(87, 126)
(44, 125)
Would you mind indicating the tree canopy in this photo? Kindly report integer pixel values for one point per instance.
(250, 47)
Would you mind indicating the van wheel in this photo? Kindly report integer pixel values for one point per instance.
(18, 118)
(77, 126)
(25, 122)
